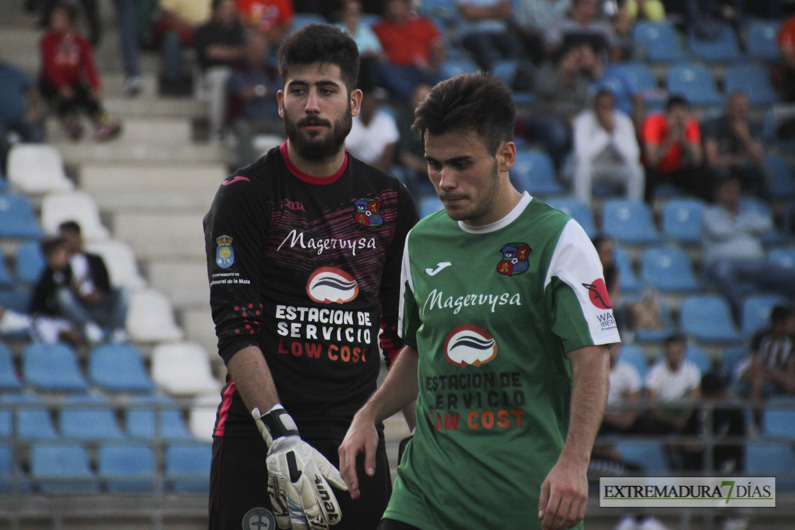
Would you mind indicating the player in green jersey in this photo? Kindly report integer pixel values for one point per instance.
(507, 323)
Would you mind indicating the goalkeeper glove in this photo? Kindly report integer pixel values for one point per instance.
(298, 475)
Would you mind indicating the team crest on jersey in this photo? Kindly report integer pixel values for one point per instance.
(224, 254)
(328, 285)
(469, 345)
(368, 212)
(259, 519)
(514, 259)
(597, 292)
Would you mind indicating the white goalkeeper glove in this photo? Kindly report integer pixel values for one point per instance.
(298, 475)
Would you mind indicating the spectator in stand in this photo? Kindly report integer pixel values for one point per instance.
(653, 10)
(414, 49)
(785, 72)
(69, 76)
(252, 94)
(672, 150)
(584, 23)
(221, 45)
(90, 9)
(174, 30)
(614, 77)
(49, 323)
(20, 109)
(272, 18)
(606, 149)
(732, 144)
(13, 322)
(533, 18)
(485, 32)
(130, 46)
(374, 134)
(370, 52)
(671, 379)
(734, 256)
(410, 148)
(561, 94)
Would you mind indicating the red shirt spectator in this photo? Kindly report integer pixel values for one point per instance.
(408, 42)
(271, 17)
(67, 60)
(655, 132)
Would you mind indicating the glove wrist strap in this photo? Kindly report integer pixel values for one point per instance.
(279, 423)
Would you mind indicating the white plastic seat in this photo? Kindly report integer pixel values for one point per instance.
(183, 369)
(37, 168)
(120, 260)
(75, 206)
(150, 317)
(201, 420)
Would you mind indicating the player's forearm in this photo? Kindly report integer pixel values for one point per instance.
(591, 367)
(253, 379)
(398, 389)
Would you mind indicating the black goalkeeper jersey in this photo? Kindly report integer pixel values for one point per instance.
(308, 269)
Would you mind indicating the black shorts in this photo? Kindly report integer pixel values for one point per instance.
(239, 486)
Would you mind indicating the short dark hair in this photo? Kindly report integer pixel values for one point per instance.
(676, 100)
(321, 43)
(49, 245)
(479, 102)
(70, 226)
(780, 313)
(675, 338)
(68, 8)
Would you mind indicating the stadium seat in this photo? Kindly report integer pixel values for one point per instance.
(698, 356)
(76, 206)
(141, 420)
(730, 360)
(773, 236)
(37, 168)
(681, 220)
(5, 277)
(535, 173)
(202, 413)
(452, 67)
(150, 317)
(188, 467)
(577, 210)
(428, 204)
(119, 368)
(183, 368)
(28, 262)
(120, 260)
(89, 419)
(6, 468)
(779, 417)
(440, 8)
(695, 82)
(756, 311)
(658, 335)
(722, 48)
(707, 317)
(782, 178)
(668, 269)
(649, 456)
(506, 70)
(628, 280)
(126, 468)
(62, 468)
(658, 41)
(785, 257)
(33, 420)
(302, 19)
(17, 217)
(17, 298)
(761, 40)
(752, 79)
(634, 355)
(629, 222)
(52, 368)
(9, 379)
(771, 460)
(641, 73)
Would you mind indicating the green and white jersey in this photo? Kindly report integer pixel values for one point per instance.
(493, 311)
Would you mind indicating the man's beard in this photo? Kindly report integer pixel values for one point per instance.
(321, 146)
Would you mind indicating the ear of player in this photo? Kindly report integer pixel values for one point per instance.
(299, 475)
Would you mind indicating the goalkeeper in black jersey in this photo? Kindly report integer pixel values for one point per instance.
(304, 250)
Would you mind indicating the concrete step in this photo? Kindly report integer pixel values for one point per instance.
(184, 282)
(139, 130)
(122, 151)
(161, 235)
(104, 176)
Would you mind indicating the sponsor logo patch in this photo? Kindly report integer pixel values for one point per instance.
(259, 519)
(328, 285)
(514, 259)
(469, 345)
(224, 254)
(368, 212)
(597, 292)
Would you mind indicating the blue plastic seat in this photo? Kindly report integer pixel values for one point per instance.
(629, 221)
(141, 420)
(126, 468)
(119, 368)
(707, 317)
(779, 417)
(188, 467)
(577, 210)
(681, 220)
(752, 79)
(660, 41)
(782, 178)
(33, 420)
(650, 456)
(302, 19)
(641, 74)
(762, 39)
(5, 277)
(762, 207)
(724, 47)
(696, 83)
(698, 356)
(784, 257)
(52, 368)
(429, 204)
(62, 468)
(634, 355)
(17, 217)
(461, 65)
(29, 262)
(628, 280)
(506, 70)
(89, 419)
(771, 460)
(9, 380)
(731, 358)
(668, 269)
(756, 311)
(535, 173)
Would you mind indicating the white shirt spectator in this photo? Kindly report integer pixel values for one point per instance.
(733, 237)
(670, 385)
(624, 380)
(367, 143)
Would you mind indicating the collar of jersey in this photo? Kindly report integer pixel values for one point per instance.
(505, 221)
(309, 178)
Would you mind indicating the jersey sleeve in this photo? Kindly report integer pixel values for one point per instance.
(234, 246)
(391, 283)
(409, 317)
(576, 292)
